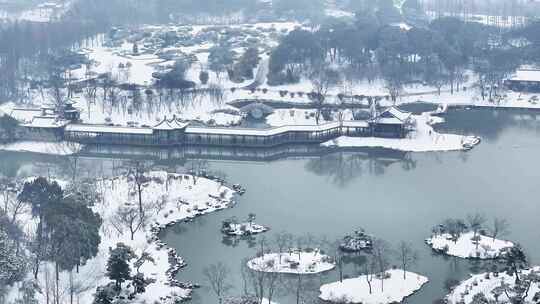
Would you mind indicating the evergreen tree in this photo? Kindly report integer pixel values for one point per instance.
(118, 268)
(42, 196)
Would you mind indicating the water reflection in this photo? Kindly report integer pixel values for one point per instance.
(342, 168)
(489, 124)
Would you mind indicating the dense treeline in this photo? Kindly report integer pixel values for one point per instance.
(438, 54)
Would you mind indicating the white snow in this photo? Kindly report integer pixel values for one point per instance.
(167, 198)
(241, 229)
(423, 139)
(356, 290)
(295, 261)
(52, 148)
(465, 247)
(486, 283)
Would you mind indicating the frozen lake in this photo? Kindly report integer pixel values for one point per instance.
(395, 196)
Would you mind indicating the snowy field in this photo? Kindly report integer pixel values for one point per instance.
(490, 284)
(296, 262)
(357, 290)
(167, 198)
(466, 247)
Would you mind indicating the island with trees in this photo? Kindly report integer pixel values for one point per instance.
(470, 238)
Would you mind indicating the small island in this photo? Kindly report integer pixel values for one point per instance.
(231, 227)
(468, 239)
(296, 261)
(391, 287)
(356, 242)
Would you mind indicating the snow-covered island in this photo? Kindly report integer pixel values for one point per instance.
(167, 198)
(294, 261)
(356, 242)
(241, 229)
(497, 288)
(467, 246)
(368, 289)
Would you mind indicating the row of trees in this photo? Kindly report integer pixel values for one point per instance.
(475, 223)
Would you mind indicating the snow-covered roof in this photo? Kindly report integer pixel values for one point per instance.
(170, 124)
(108, 129)
(392, 116)
(527, 75)
(24, 115)
(257, 105)
(271, 131)
(47, 122)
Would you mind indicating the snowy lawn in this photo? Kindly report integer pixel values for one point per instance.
(423, 139)
(465, 247)
(297, 262)
(357, 290)
(489, 284)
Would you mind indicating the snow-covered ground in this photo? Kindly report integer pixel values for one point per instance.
(52, 148)
(295, 261)
(422, 139)
(466, 247)
(357, 290)
(40, 13)
(489, 284)
(167, 198)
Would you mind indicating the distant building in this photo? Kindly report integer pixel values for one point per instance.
(46, 123)
(524, 80)
(392, 123)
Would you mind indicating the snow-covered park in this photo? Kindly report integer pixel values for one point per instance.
(294, 262)
(167, 198)
(466, 246)
(370, 289)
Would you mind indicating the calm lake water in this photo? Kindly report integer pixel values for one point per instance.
(394, 196)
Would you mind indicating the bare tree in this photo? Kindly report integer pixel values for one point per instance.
(454, 227)
(130, 218)
(322, 80)
(137, 174)
(283, 241)
(197, 168)
(500, 228)
(273, 278)
(217, 274)
(381, 253)
(369, 269)
(263, 242)
(407, 255)
(476, 222)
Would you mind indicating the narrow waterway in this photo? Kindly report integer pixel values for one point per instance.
(394, 196)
